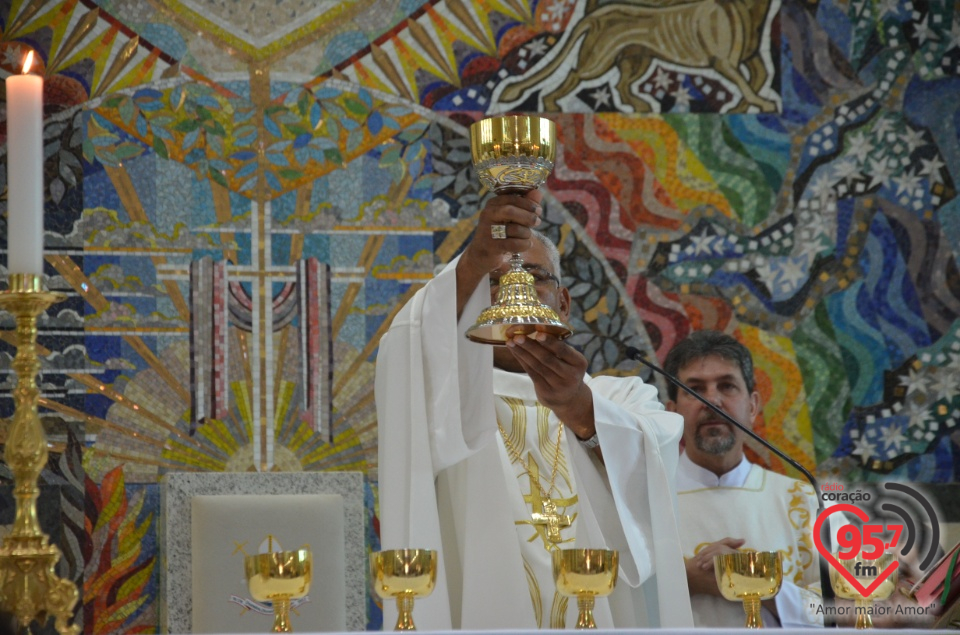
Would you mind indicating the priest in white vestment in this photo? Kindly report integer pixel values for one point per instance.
(498, 456)
(727, 503)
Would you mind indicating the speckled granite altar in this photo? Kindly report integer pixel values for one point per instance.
(177, 489)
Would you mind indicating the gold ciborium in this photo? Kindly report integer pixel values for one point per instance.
(29, 586)
(279, 577)
(749, 577)
(513, 155)
(403, 574)
(585, 574)
(865, 572)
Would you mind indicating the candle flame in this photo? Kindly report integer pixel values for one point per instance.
(27, 63)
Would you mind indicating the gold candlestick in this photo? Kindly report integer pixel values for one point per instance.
(29, 587)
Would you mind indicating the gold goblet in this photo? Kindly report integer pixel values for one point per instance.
(278, 577)
(513, 155)
(404, 574)
(865, 572)
(585, 574)
(749, 577)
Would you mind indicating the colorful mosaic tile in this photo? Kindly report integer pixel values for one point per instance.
(800, 197)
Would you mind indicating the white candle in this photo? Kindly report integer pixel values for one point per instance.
(25, 172)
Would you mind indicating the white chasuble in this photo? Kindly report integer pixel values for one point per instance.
(543, 499)
(771, 512)
(447, 481)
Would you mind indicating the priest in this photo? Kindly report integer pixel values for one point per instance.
(726, 502)
(497, 457)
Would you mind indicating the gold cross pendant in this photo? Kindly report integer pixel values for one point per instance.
(551, 520)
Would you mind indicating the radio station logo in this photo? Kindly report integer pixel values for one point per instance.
(869, 533)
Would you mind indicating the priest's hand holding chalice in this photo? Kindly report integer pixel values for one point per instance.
(513, 156)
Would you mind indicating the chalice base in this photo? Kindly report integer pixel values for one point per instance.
(751, 606)
(405, 610)
(863, 609)
(585, 619)
(498, 334)
(281, 615)
(517, 311)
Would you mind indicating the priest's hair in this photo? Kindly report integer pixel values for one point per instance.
(700, 344)
(553, 254)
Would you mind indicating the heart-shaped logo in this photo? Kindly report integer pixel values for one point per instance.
(862, 515)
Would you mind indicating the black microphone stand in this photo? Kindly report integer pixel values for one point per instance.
(826, 589)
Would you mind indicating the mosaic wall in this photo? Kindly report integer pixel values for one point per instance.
(240, 196)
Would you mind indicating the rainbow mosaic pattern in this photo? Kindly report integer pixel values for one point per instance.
(798, 195)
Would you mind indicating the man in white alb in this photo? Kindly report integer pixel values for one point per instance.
(492, 455)
(726, 502)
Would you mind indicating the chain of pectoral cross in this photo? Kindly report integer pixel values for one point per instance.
(548, 518)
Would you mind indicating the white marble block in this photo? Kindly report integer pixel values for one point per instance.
(212, 520)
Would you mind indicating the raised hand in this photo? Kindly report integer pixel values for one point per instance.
(557, 370)
(509, 215)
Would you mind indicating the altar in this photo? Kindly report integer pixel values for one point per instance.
(682, 631)
(211, 522)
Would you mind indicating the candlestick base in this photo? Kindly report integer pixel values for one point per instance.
(29, 586)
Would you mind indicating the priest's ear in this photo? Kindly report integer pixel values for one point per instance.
(755, 406)
(563, 299)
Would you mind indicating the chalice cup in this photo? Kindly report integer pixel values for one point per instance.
(865, 572)
(749, 577)
(279, 577)
(404, 574)
(514, 154)
(585, 574)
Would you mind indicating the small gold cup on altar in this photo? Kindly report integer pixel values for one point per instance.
(404, 574)
(865, 572)
(749, 577)
(514, 154)
(585, 574)
(279, 577)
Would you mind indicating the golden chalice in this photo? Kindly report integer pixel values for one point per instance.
(749, 577)
(279, 577)
(865, 572)
(513, 155)
(404, 574)
(585, 574)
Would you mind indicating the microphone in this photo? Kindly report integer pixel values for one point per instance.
(825, 587)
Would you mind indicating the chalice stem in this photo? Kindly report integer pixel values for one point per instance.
(585, 619)
(864, 608)
(751, 606)
(281, 615)
(405, 610)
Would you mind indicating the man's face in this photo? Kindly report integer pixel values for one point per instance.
(720, 382)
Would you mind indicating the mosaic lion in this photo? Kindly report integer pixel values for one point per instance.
(719, 34)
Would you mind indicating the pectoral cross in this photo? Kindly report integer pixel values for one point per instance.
(551, 520)
(544, 517)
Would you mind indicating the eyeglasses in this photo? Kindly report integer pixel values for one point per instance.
(541, 277)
